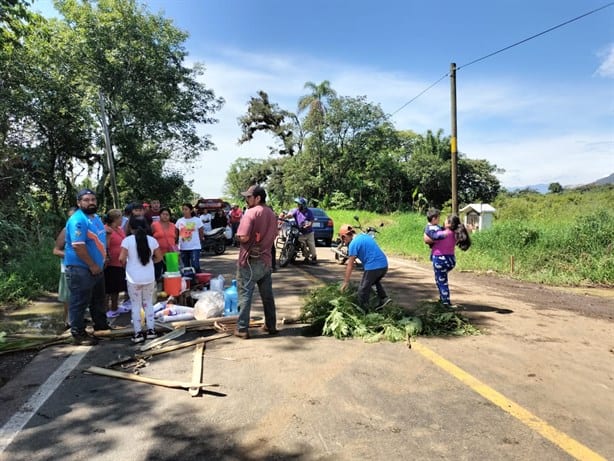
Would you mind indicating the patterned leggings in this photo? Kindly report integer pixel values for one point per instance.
(442, 265)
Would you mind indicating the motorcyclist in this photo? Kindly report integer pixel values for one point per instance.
(304, 220)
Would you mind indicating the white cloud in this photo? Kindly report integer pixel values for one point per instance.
(539, 133)
(606, 68)
(575, 159)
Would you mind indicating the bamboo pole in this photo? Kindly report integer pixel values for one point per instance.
(175, 347)
(164, 339)
(143, 379)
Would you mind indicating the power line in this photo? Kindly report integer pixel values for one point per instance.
(536, 35)
(501, 51)
(421, 93)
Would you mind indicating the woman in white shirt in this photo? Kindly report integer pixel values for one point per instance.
(139, 252)
(189, 235)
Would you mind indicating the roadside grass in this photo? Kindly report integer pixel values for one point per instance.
(575, 251)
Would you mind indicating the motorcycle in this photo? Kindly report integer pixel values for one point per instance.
(214, 241)
(341, 250)
(289, 244)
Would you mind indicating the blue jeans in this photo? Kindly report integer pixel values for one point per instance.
(191, 258)
(442, 265)
(247, 278)
(85, 290)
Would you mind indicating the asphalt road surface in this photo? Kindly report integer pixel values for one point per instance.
(537, 384)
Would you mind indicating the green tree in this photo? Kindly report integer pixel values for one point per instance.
(477, 182)
(555, 188)
(316, 103)
(153, 103)
(265, 116)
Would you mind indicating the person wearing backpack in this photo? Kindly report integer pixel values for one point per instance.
(442, 253)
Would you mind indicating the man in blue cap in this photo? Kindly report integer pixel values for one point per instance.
(84, 256)
(303, 217)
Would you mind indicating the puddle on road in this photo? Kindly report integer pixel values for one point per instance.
(36, 319)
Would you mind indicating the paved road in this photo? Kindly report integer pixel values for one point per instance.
(538, 384)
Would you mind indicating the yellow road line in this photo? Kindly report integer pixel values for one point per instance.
(560, 439)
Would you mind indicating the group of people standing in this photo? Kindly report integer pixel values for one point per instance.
(125, 254)
(102, 259)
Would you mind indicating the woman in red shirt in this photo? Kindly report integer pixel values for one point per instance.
(234, 217)
(114, 272)
(164, 232)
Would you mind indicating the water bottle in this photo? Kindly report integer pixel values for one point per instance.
(231, 299)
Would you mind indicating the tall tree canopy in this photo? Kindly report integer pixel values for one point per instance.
(353, 156)
(111, 61)
(265, 116)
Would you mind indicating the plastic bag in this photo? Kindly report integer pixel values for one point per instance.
(217, 283)
(228, 233)
(209, 305)
(174, 313)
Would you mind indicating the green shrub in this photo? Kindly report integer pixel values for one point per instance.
(35, 271)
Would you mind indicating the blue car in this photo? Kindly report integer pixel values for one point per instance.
(322, 226)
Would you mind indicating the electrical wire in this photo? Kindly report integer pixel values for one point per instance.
(501, 51)
(535, 36)
(421, 93)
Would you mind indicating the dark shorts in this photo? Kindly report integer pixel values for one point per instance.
(114, 279)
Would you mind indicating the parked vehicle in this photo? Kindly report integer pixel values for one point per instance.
(341, 250)
(289, 244)
(322, 226)
(214, 241)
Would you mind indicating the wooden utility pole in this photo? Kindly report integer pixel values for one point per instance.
(109, 151)
(453, 141)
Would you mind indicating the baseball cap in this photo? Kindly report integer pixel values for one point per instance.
(346, 229)
(83, 192)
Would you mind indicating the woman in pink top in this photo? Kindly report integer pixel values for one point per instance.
(442, 253)
(114, 272)
(164, 232)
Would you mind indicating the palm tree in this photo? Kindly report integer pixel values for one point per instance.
(316, 102)
(321, 95)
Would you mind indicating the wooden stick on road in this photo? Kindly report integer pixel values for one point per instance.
(143, 379)
(164, 339)
(175, 347)
(197, 369)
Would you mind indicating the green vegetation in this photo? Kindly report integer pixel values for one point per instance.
(333, 313)
(558, 239)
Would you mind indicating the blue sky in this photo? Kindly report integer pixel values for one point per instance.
(543, 111)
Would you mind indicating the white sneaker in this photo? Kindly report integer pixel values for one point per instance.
(138, 338)
(151, 334)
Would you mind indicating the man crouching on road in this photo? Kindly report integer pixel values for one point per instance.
(84, 255)
(374, 262)
(256, 234)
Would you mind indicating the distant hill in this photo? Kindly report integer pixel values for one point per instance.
(543, 188)
(606, 180)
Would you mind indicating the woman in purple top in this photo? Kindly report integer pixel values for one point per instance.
(442, 253)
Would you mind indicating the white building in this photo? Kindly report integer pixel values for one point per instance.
(478, 216)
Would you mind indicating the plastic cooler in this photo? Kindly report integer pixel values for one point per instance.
(172, 283)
